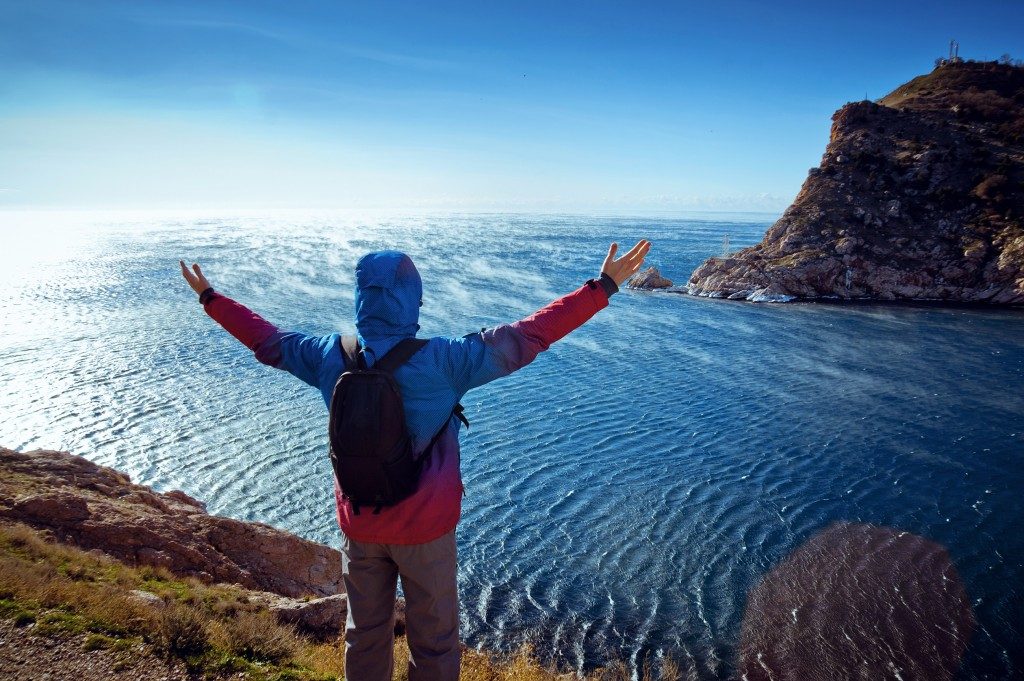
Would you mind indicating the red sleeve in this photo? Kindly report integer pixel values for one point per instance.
(482, 357)
(556, 319)
(238, 320)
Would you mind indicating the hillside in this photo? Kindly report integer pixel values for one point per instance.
(919, 196)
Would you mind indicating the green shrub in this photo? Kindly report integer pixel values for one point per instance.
(60, 622)
(97, 642)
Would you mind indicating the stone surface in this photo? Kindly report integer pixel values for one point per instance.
(319, 618)
(150, 599)
(648, 280)
(919, 196)
(94, 507)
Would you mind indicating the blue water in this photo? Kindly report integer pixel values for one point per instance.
(624, 493)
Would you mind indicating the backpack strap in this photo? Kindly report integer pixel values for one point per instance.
(400, 354)
(460, 413)
(457, 412)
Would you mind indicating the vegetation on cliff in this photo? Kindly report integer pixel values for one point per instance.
(919, 195)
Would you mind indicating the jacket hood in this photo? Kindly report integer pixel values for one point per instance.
(389, 293)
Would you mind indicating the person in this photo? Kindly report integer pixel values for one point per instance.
(415, 538)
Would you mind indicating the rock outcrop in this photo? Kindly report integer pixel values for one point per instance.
(919, 196)
(648, 280)
(319, 618)
(95, 507)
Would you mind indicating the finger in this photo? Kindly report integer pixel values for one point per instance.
(202, 277)
(645, 248)
(637, 261)
(184, 271)
(636, 248)
(610, 258)
(638, 251)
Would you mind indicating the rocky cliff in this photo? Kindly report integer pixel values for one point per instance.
(94, 507)
(919, 196)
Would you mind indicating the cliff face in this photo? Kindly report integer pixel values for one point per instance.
(100, 508)
(918, 196)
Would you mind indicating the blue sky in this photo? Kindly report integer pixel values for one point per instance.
(546, 106)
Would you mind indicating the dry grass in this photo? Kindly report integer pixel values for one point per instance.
(60, 589)
(258, 637)
(324, 658)
(43, 576)
(183, 631)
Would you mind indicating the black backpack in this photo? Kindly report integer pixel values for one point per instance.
(371, 448)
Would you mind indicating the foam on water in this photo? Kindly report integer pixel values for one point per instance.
(626, 492)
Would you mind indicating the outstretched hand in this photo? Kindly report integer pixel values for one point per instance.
(194, 277)
(625, 267)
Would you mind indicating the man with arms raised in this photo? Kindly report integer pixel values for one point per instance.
(415, 538)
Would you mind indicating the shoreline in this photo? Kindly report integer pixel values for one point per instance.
(928, 303)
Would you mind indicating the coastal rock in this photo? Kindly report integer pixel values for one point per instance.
(919, 196)
(648, 280)
(94, 507)
(150, 599)
(319, 618)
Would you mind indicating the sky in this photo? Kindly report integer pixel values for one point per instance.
(450, 106)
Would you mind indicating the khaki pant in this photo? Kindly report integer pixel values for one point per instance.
(371, 574)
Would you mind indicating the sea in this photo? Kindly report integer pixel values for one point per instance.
(627, 492)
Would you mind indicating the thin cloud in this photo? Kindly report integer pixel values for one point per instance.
(304, 42)
(222, 26)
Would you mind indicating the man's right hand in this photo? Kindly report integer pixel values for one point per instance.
(625, 267)
(195, 278)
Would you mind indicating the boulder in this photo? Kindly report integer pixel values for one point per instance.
(319, 618)
(648, 280)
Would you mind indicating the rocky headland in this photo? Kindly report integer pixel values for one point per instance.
(94, 507)
(75, 501)
(919, 196)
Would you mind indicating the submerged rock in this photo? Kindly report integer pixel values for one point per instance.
(919, 196)
(648, 280)
(858, 601)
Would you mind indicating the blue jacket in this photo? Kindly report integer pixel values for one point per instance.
(388, 297)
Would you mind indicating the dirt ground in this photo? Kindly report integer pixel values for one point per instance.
(28, 657)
